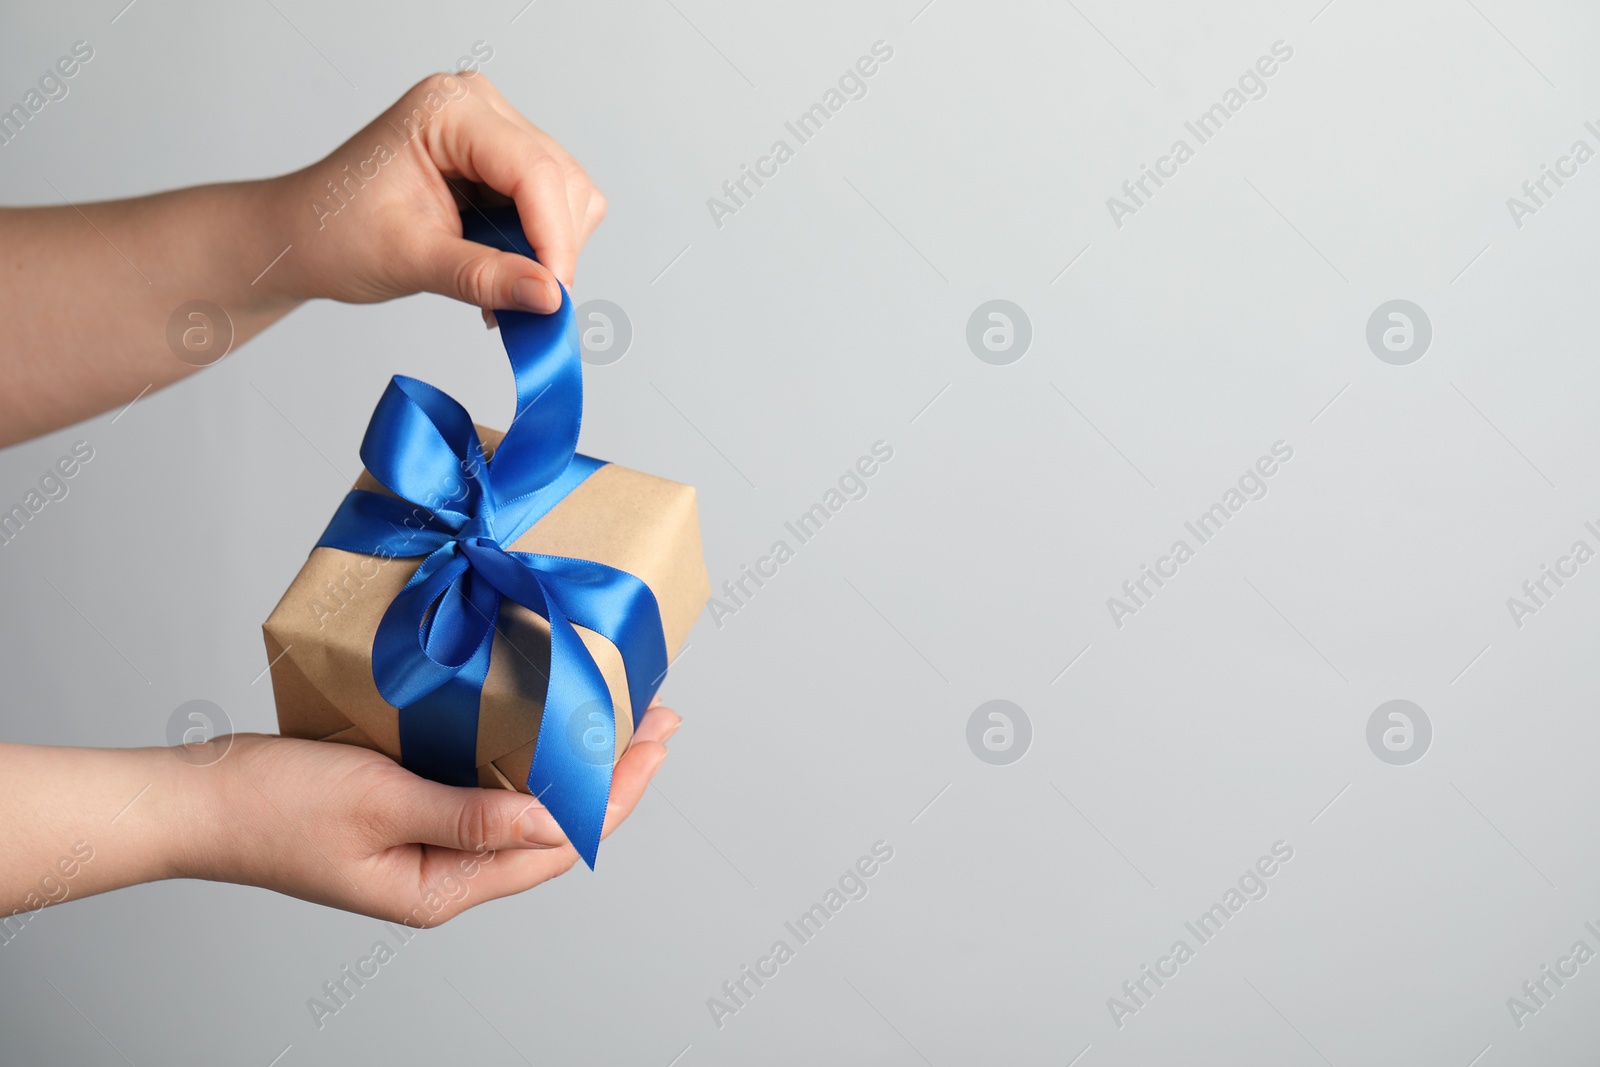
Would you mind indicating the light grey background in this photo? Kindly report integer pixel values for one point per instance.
(1230, 713)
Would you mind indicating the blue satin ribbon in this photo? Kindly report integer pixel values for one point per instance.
(459, 511)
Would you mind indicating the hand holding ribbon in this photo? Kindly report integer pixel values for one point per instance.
(461, 511)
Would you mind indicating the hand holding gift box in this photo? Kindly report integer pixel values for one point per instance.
(492, 609)
(339, 824)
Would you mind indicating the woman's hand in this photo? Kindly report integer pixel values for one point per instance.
(329, 823)
(352, 829)
(381, 216)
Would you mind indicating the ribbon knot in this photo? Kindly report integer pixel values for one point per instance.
(477, 532)
(461, 512)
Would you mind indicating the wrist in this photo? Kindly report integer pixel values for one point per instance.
(104, 818)
(202, 792)
(169, 824)
(272, 244)
(326, 245)
(229, 244)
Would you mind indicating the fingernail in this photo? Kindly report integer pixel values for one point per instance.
(538, 829)
(534, 295)
(489, 321)
(671, 730)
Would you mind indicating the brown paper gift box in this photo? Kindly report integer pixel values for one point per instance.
(319, 637)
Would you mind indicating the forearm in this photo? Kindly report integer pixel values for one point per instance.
(86, 294)
(80, 821)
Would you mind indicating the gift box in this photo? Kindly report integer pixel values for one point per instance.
(319, 637)
(492, 608)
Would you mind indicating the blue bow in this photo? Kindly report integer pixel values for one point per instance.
(460, 511)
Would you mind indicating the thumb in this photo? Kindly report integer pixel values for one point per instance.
(474, 820)
(486, 277)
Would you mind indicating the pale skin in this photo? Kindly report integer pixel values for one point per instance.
(329, 823)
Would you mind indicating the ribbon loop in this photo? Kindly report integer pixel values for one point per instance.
(461, 510)
(422, 446)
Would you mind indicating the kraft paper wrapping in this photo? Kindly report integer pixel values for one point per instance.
(319, 637)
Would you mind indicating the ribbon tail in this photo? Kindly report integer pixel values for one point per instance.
(617, 606)
(577, 743)
(572, 760)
